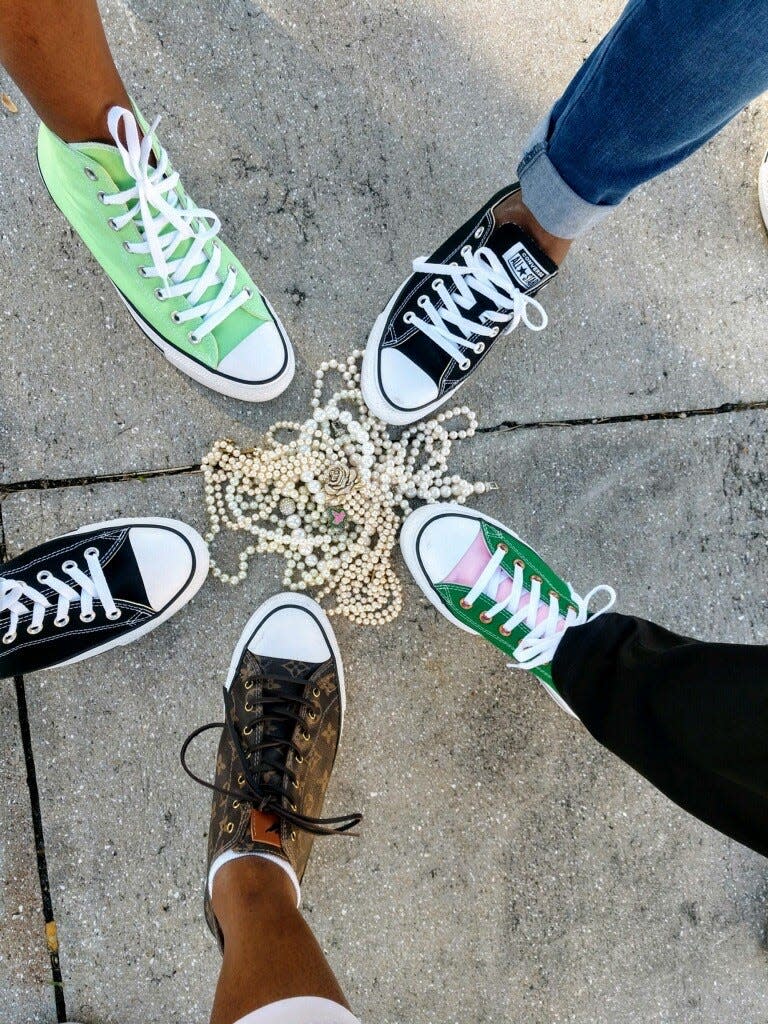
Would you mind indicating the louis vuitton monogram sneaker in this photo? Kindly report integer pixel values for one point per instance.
(283, 717)
(102, 587)
(482, 577)
(185, 289)
(445, 318)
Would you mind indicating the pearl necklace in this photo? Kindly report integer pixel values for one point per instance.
(332, 499)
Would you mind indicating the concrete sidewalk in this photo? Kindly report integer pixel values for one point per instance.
(509, 869)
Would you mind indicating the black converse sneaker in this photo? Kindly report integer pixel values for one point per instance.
(101, 587)
(444, 319)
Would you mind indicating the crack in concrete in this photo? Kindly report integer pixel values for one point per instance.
(506, 426)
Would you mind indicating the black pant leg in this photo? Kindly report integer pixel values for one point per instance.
(691, 717)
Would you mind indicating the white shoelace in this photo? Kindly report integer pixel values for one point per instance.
(483, 273)
(154, 204)
(18, 598)
(539, 645)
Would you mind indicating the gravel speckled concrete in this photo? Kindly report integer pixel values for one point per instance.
(509, 869)
(26, 995)
(337, 141)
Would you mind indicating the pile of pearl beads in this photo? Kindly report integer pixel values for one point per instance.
(331, 499)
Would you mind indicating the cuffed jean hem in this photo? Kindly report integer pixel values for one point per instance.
(551, 200)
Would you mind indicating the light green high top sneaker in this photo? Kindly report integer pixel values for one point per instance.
(482, 577)
(181, 284)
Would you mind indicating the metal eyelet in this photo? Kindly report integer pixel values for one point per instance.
(101, 196)
(115, 615)
(127, 246)
(479, 233)
(193, 339)
(408, 317)
(293, 807)
(465, 603)
(484, 617)
(241, 780)
(60, 623)
(293, 836)
(311, 716)
(160, 295)
(305, 736)
(519, 563)
(249, 685)
(248, 707)
(229, 828)
(247, 730)
(501, 546)
(142, 271)
(465, 365)
(554, 593)
(422, 301)
(113, 224)
(505, 632)
(90, 174)
(299, 759)
(32, 630)
(175, 317)
(536, 579)
(466, 250)
(437, 282)
(315, 691)
(68, 565)
(248, 294)
(87, 616)
(91, 553)
(43, 576)
(235, 803)
(479, 348)
(8, 638)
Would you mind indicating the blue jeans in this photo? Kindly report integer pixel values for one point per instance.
(667, 77)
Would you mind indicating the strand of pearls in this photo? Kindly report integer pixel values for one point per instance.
(332, 498)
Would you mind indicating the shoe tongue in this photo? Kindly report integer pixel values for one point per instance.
(109, 158)
(528, 265)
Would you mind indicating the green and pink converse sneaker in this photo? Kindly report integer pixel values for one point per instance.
(485, 579)
(184, 288)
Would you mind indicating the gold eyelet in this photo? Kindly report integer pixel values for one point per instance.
(536, 579)
(235, 803)
(505, 632)
(293, 836)
(241, 780)
(229, 828)
(299, 759)
(311, 716)
(464, 603)
(315, 691)
(305, 735)
(293, 808)
(249, 684)
(519, 563)
(484, 617)
(247, 730)
(248, 707)
(501, 546)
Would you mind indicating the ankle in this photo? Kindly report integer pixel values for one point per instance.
(251, 885)
(514, 211)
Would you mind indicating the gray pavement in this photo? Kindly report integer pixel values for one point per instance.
(509, 869)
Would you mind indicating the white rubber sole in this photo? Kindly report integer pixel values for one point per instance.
(200, 549)
(409, 548)
(300, 601)
(209, 378)
(374, 397)
(762, 190)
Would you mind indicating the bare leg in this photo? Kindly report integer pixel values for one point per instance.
(269, 951)
(514, 211)
(58, 54)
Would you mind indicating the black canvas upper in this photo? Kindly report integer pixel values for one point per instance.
(53, 644)
(529, 269)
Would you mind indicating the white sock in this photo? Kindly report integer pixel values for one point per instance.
(305, 1010)
(225, 858)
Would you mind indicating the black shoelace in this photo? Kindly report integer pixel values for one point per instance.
(262, 792)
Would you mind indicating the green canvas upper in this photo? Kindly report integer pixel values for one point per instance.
(75, 174)
(533, 565)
